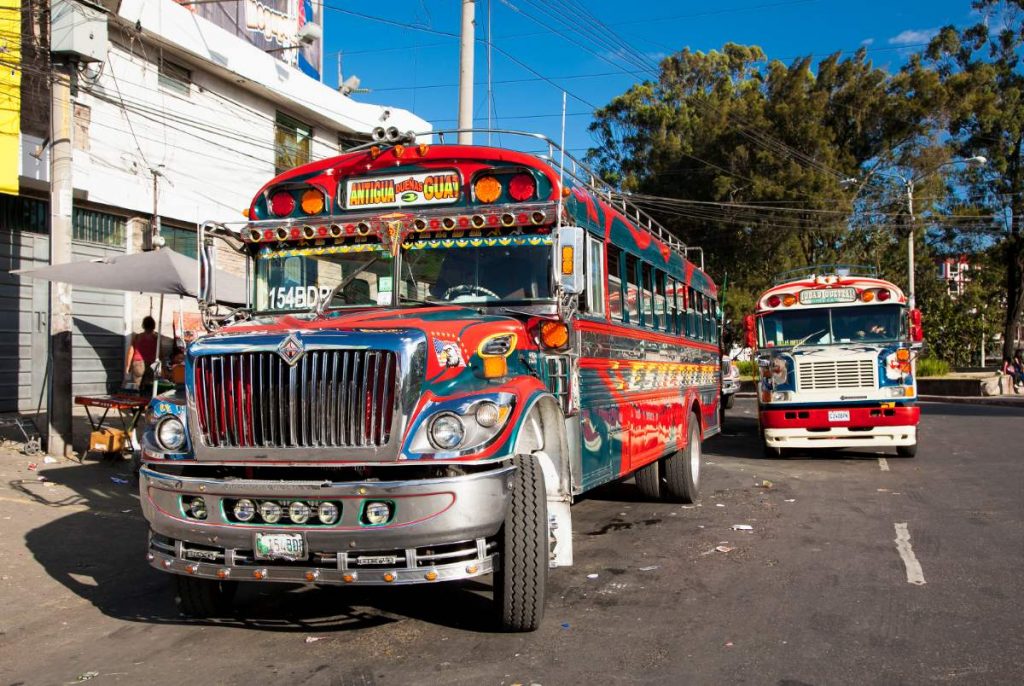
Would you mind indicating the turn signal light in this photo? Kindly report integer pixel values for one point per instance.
(430, 576)
(389, 577)
(487, 189)
(902, 354)
(495, 367)
(567, 260)
(348, 578)
(312, 201)
(554, 334)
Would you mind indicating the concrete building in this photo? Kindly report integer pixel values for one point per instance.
(177, 113)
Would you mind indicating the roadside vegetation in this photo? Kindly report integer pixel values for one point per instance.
(770, 166)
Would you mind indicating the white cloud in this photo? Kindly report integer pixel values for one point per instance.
(867, 42)
(913, 36)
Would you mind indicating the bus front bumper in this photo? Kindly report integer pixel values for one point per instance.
(443, 529)
(841, 427)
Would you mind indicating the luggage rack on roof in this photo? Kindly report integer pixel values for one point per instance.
(844, 270)
(571, 167)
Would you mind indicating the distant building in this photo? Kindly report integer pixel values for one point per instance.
(956, 272)
(182, 109)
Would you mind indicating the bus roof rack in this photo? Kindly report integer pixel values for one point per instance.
(826, 269)
(571, 167)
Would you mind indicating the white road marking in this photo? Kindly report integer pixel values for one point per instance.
(883, 464)
(915, 575)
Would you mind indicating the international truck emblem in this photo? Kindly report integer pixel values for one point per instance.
(290, 349)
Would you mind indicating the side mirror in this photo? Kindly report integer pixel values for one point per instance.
(207, 269)
(748, 330)
(569, 258)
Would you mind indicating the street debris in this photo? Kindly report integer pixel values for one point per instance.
(719, 504)
(314, 639)
(592, 576)
(565, 625)
(724, 548)
(649, 568)
(790, 500)
(728, 644)
(765, 483)
(85, 676)
(32, 466)
(50, 460)
(742, 527)
(118, 480)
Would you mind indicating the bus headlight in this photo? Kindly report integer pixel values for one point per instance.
(781, 396)
(778, 371)
(170, 434)
(446, 431)
(463, 426)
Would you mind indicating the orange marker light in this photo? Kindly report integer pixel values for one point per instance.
(312, 201)
(430, 576)
(902, 354)
(495, 367)
(245, 213)
(567, 260)
(554, 334)
(788, 299)
(867, 296)
(487, 189)
(389, 577)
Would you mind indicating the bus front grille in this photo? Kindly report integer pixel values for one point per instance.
(829, 374)
(328, 398)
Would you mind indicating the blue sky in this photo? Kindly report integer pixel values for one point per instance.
(536, 40)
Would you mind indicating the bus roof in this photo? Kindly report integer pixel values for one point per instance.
(829, 290)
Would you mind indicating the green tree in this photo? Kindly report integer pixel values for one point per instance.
(980, 70)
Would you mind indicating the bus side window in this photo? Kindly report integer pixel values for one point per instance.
(615, 283)
(632, 308)
(698, 315)
(595, 277)
(650, 312)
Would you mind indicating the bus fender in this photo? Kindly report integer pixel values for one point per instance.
(542, 436)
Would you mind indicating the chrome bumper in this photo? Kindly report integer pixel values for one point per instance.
(443, 529)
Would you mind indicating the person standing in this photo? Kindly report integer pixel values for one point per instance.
(141, 354)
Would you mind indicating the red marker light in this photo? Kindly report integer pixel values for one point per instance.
(773, 301)
(884, 295)
(268, 235)
(322, 231)
(463, 222)
(295, 234)
(282, 204)
(521, 187)
(435, 223)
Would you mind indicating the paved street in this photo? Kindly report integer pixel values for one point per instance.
(816, 593)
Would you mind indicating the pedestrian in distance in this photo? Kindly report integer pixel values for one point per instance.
(138, 364)
(1015, 369)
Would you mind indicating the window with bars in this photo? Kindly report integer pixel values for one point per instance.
(292, 140)
(98, 227)
(19, 213)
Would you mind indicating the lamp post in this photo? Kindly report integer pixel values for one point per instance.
(908, 183)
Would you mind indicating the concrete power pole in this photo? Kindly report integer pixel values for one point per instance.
(466, 71)
(59, 436)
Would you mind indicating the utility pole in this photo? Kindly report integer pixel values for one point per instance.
(466, 71)
(911, 302)
(59, 436)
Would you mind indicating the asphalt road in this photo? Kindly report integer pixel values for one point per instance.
(816, 593)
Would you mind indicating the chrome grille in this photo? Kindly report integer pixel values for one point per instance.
(822, 375)
(328, 398)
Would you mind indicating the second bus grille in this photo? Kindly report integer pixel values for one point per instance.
(813, 376)
(329, 398)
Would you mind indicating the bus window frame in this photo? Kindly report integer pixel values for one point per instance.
(615, 252)
(632, 281)
(597, 284)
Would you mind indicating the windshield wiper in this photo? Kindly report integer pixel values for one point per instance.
(804, 339)
(326, 300)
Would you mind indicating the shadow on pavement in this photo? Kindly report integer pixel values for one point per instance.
(99, 554)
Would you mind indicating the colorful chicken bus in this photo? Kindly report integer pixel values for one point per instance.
(444, 345)
(835, 353)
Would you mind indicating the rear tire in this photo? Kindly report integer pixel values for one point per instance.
(648, 480)
(906, 450)
(203, 597)
(682, 468)
(521, 582)
(729, 401)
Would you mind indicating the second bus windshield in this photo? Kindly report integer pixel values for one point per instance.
(828, 325)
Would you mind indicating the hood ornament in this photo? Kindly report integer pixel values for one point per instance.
(290, 349)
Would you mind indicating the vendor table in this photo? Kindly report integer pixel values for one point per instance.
(128, 406)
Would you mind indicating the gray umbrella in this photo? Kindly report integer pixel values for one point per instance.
(161, 271)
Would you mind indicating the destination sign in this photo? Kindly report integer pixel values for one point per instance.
(405, 190)
(825, 296)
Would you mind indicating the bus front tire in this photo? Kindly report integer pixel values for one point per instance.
(521, 580)
(682, 469)
(648, 480)
(203, 597)
(906, 450)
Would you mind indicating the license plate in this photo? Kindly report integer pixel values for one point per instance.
(839, 415)
(376, 559)
(280, 547)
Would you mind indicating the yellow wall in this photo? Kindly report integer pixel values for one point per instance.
(10, 93)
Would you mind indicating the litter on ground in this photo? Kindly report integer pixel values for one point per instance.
(742, 527)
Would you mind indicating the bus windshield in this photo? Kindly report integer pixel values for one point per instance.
(507, 270)
(832, 325)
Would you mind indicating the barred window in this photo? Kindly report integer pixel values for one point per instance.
(184, 241)
(98, 227)
(19, 213)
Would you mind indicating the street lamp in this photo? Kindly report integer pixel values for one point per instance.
(908, 183)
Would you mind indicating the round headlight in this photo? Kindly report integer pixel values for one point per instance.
(170, 433)
(327, 512)
(198, 508)
(377, 512)
(446, 431)
(244, 510)
(270, 511)
(298, 512)
(487, 414)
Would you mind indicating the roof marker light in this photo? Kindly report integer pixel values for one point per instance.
(522, 187)
(312, 201)
(282, 204)
(487, 189)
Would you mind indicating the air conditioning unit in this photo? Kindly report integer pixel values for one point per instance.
(78, 30)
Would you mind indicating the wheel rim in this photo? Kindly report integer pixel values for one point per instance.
(695, 456)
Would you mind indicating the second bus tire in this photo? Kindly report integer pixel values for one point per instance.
(681, 470)
(521, 582)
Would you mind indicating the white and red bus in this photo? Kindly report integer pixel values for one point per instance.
(835, 354)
